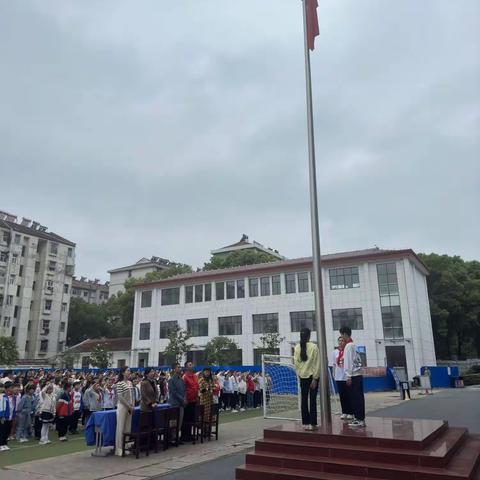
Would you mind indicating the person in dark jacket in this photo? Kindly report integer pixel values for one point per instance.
(176, 391)
(148, 391)
(64, 412)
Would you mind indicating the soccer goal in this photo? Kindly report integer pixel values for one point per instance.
(281, 398)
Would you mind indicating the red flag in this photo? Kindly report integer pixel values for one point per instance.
(312, 22)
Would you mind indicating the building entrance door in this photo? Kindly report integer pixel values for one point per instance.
(396, 356)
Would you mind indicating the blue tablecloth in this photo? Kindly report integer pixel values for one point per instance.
(107, 422)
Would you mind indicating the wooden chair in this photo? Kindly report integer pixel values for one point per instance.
(210, 427)
(160, 427)
(196, 425)
(144, 431)
(173, 422)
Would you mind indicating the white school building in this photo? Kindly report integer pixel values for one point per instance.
(381, 294)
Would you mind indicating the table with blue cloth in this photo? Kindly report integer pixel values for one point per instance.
(101, 427)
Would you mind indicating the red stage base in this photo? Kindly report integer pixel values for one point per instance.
(388, 448)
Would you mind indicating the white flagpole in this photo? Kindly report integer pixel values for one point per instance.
(325, 408)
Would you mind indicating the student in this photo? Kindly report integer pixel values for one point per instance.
(7, 414)
(352, 365)
(340, 380)
(242, 392)
(305, 358)
(47, 412)
(108, 394)
(176, 390)
(25, 409)
(16, 396)
(125, 406)
(64, 411)
(250, 391)
(76, 395)
(93, 399)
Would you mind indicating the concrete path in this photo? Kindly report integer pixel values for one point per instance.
(235, 437)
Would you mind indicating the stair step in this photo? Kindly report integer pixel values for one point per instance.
(435, 455)
(461, 467)
(264, 472)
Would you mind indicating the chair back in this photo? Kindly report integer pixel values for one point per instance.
(160, 417)
(214, 411)
(199, 413)
(173, 415)
(145, 422)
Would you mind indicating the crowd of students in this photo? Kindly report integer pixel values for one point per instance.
(34, 402)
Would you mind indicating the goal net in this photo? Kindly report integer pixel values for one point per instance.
(281, 395)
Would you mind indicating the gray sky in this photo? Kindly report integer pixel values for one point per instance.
(169, 128)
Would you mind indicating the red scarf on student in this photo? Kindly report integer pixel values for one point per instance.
(341, 351)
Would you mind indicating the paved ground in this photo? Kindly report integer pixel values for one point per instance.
(218, 459)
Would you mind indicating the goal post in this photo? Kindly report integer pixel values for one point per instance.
(281, 393)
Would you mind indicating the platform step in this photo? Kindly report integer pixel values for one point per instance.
(437, 454)
(461, 467)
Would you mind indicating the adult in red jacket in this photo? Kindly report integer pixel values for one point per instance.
(190, 380)
(250, 391)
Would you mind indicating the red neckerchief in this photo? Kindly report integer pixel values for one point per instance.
(341, 352)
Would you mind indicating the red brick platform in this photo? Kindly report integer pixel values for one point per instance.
(388, 448)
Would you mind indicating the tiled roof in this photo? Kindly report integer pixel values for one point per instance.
(111, 344)
(304, 262)
(144, 262)
(36, 233)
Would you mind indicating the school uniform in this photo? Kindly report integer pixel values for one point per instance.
(353, 370)
(340, 380)
(24, 417)
(8, 411)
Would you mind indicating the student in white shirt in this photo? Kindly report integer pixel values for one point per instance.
(352, 365)
(340, 380)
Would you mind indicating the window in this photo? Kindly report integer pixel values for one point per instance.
(49, 285)
(85, 293)
(392, 322)
(23, 251)
(6, 236)
(265, 323)
(64, 307)
(60, 346)
(53, 248)
(143, 359)
(70, 252)
(3, 256)
(15, 311)
(27, 345)
(18, 290)
(52, 266)
(14, 330)
(347, 317)
(146, 300)
(253, 287)
(167, 327)
(85, 362)
(144, 331)
(189, 294)
(76, 291)
(231, 289)
(171, 296)
(220, 291)
(230, 325)
(29, 326)
(62, 326)
(302, 282)
(69, 270)
(20, 271)
(45, 324)
(9, 300)
(265, 286)
(208, 292)
(121, 363)
(129, 274)
(197, 327)
(14, 258)
(31, 304)
(344, 278)
(44, 346)
(37, 267)
(48, 305)
(240, 288)
(258, 352)
(6, 322)
(11, 281)
(276, 285)
(198, 293)
(16, 239)
(34, 284)
(197, 357)
(299, 320)
(290, 284)
(65, 288)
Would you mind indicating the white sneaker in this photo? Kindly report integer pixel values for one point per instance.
(2, 448)
(242, 409)
(62, 439)
(23, 440)
(308, 428)
(350, 417)
(5, 448)
(344, 416)
(357, 423)
(234, 411)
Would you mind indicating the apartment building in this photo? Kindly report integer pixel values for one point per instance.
(36, 269)
(90, 291)
(381, 294)
(118, 276)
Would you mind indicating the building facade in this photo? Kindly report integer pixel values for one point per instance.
(36, 270)
(381, 294)
(90, 291)
(118, 276)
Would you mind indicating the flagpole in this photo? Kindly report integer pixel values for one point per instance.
(325, 408)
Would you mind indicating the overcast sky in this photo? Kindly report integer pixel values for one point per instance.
(169, 128)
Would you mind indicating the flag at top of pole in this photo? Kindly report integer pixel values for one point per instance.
(312, 23)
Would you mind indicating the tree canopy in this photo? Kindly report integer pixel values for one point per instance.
(8, 351)
(221, 351)
(454, 291)
(239, 258)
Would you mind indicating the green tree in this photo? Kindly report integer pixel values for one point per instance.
(171, 271)
(100, 357)
(239, 258)
(221, 351)
(178, 345)
(454, 292)
(270, 342)
(68, 358)
(8, 351)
